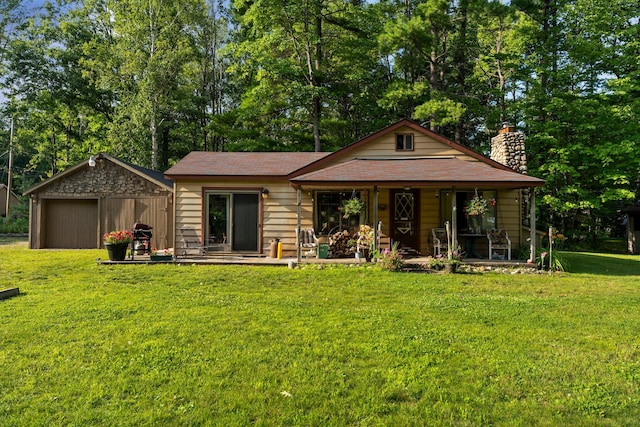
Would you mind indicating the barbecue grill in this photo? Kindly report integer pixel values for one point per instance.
(141, 243)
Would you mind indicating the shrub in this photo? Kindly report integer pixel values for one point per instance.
(10, 225)
(555, 263)
(390, 259)
(17, 221)
(435, 263)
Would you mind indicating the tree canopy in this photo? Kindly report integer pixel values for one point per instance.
(149, 81)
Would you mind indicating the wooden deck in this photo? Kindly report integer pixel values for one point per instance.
(263, 260)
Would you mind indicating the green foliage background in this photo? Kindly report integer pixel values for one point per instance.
(149, 81)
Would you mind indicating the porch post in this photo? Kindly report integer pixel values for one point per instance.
(454, 220)
(298, 213)
(375, 218)
(532, 223)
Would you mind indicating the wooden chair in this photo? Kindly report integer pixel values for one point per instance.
(308, 241)
(439, 240)
(499, 239)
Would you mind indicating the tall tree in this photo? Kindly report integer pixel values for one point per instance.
(48, 93)
(153, 45)
(428, 72)
(289, 54)
(576, 139)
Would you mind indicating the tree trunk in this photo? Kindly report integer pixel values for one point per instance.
(153, 128)
(433, 72)
(317, 102)
(463, 65)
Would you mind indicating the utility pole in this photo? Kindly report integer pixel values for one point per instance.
(10, 170)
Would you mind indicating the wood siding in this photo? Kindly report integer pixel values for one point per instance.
(279, 210)
(509, 217)
(430, 218)
(424, 146)
(122, 213)
(279, 213)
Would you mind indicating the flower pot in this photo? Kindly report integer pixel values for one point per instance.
(450, 268)
(117, 251)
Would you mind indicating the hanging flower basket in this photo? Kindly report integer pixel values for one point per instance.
(476, 206)
(351, 207)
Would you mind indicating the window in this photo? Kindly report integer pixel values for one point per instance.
(329, 218)
(488, 219)
(404, 142)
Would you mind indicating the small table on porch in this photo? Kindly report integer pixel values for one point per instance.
(470, 244)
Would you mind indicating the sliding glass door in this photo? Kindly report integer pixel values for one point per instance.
(232, 221)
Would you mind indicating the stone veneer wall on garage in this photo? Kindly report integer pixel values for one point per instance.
(105, 179)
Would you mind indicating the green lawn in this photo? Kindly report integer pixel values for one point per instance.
(87, 344)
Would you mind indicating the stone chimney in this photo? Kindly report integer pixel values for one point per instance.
(508, 148)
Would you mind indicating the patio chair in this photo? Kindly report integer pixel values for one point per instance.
(190, 243)
(439, 240)
(499, 239)
(308, 241)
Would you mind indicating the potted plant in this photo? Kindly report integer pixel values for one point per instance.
(364, 243)
(161, 255)
(117, 243)
(351, 207)
(452, 261)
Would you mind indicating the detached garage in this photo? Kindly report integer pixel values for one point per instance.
(73, 209)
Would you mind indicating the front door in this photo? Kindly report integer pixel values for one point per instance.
(405, 218)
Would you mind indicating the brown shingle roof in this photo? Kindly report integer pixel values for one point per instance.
(441, 170)
(241, 164)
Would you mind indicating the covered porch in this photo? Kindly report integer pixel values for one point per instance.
(416, 196)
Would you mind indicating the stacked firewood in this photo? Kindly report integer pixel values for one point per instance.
(342, 244)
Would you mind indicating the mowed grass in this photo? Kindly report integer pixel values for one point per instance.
(88, 344)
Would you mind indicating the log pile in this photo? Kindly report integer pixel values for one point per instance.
(341, 245)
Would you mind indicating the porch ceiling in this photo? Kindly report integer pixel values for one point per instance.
(432, 172)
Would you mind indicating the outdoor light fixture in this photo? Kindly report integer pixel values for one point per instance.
(265, 193)
(92, 161)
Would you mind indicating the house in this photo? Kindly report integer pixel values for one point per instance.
(74, 208)
(13, 200)
(411, 180)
